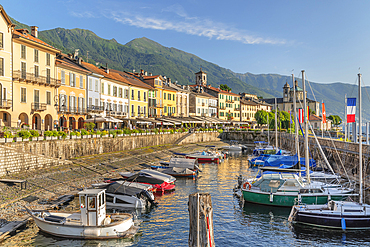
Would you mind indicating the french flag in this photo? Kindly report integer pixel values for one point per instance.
(351, 110)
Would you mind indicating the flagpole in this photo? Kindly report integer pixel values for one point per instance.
(307, 157)
(345, 118)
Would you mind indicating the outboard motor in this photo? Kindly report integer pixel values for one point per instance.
(240, 181)
(244, 148)
(150, 197)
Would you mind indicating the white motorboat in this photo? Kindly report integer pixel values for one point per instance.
(91, 222)
(120, 195)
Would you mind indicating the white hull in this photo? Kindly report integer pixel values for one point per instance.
(124, 201)
(73, 228)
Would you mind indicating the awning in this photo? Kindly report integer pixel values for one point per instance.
(169, 121)
(103, 120)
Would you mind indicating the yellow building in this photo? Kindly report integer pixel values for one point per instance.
(156, 104)
(35, 84)
(72, 92)
(6, 31)
(169, 101)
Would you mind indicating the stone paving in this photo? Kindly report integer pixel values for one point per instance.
(48, 184)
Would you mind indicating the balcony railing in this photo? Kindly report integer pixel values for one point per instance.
(81, 110)
(31, 78)
(237, 109)
(62, 108)
(94, 108)
(5, 104)
(222, 108)
(230, 101)
(38, 106)
(72, 109)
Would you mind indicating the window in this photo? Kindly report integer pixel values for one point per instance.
(48, 59)
(96, 86)
(115, 91)
(48, 98)
(63, 76)
(132, 110)
(72, 79)
(91, 203)
(144, 96)
(81, 81)
(36, 55)
(165, 109)
(1, 40)
(47, 75)
(1, 66)
(90, 102)
(108, 89)
(23, 51)
(23, 95)
(36, 71)
(120, 93)
(132, 95)
(23, 69)
(138, 95)
(90, 84)
(102, 87)
(126, 93)
(96, 102)
(164, 96)
(144, 110)
(4, 93)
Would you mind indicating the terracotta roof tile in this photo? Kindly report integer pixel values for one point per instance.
(28, 36)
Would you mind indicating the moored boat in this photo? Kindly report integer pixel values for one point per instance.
(91, 222)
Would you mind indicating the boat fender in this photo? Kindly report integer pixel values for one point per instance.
(343, 223)
(247, 184)
(271, 197)
(107, 220)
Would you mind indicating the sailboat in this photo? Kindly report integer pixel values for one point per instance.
(285, 188)
(337, 214)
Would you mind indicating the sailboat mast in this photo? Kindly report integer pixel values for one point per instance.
(307, 158)
(268, 129)
(276, 135)
(360, 134)
(345, 118)
(296, 127)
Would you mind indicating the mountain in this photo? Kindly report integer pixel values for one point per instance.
(143, 53)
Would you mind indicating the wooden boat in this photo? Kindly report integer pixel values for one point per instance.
(91, 222)
(336, 214)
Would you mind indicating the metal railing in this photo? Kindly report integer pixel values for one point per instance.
(5, 104)
(95, 108)
(38, 106)
(30, 77)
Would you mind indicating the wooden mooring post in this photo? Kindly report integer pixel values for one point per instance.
(201, 220)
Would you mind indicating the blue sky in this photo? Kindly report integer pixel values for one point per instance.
(328, 39)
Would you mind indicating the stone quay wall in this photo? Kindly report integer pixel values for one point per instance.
(73, 148)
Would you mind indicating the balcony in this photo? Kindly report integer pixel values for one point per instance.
(94, 108)
(203, 104)
(222, 108)
(212, 105)
(5, 104)
(31, 78)
(230, 101)
(72, 109)
(62, 109)
(81, 110)
(38, 106)
(237, 109)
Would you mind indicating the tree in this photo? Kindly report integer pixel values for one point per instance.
(225, 87)
(336, 119)
(261, 117)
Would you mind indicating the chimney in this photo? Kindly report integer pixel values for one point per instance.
(106, 68)
(187, 87)
(34, 31)
(169, 81)
(201, 90)
(79, 60)
(141, 72)
(146, 73)
(150, 74)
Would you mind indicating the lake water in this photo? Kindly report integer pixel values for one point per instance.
(234, 225)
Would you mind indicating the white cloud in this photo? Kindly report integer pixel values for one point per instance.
(192, 26)
(85, 14)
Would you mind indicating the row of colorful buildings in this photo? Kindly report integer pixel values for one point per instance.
(43, 88)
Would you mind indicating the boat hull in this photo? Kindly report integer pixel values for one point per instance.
(333, 221)
(123, 229)
(288, 199)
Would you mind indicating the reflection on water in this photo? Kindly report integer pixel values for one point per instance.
(234, 225)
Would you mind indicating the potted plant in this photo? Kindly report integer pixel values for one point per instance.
(23, 135)
(119, 132)
(35, 135)
(104, 133)
(8, 136)
(48, 134)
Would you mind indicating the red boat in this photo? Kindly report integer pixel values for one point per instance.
(204, 157)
